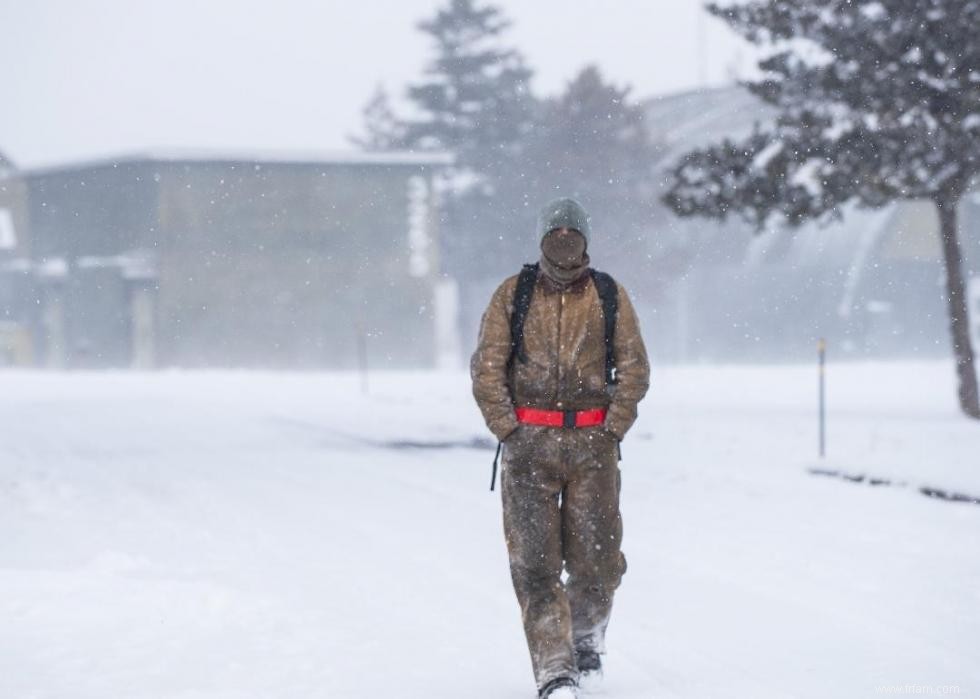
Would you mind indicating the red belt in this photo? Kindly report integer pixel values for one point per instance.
(561, 418)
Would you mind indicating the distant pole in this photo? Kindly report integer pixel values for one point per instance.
(822, 354)
(362, 355)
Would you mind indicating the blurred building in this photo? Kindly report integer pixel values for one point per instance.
(872, 283)
(193, 259)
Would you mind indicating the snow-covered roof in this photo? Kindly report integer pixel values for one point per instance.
(296, 157)
(697, 118)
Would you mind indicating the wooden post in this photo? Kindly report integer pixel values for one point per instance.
(362, 355)
(822, 355)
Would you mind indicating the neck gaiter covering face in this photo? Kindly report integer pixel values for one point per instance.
(563, 256)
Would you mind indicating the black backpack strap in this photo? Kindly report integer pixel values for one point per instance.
(522, 302)
(609, 295)
(493, 474)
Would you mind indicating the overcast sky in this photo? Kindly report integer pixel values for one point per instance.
(91, 78)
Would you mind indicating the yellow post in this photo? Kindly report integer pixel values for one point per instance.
(822, 358)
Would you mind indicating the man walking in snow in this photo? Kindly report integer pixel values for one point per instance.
(558, 371)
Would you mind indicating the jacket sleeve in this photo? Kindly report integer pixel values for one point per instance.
(488, 366)
(632, 368)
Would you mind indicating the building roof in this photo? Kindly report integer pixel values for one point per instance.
(285, 157)
(697, 118)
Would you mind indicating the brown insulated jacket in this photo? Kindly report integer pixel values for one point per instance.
(565, 347)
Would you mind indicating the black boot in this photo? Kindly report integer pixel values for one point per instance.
(556, 684)
(589, 668)
(588, 661)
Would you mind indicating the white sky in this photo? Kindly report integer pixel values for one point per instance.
(88, 78)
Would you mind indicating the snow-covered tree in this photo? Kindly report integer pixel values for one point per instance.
(878, 100)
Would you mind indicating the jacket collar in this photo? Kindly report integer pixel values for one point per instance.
(549, 286)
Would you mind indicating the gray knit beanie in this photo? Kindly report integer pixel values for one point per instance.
(563, 213)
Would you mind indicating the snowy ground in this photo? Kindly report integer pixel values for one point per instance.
(227, 535)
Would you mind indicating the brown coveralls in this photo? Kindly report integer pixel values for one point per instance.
(560, 486)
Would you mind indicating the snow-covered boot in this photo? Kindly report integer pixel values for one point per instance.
(589, 668)
(559, 688)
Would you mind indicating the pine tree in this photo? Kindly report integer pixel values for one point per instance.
(475, 99)
(591, 142)
(877, 100)
(514, 151)
(382, 130)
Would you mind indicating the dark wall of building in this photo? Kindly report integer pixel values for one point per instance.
(95, 211)
(283, 264)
